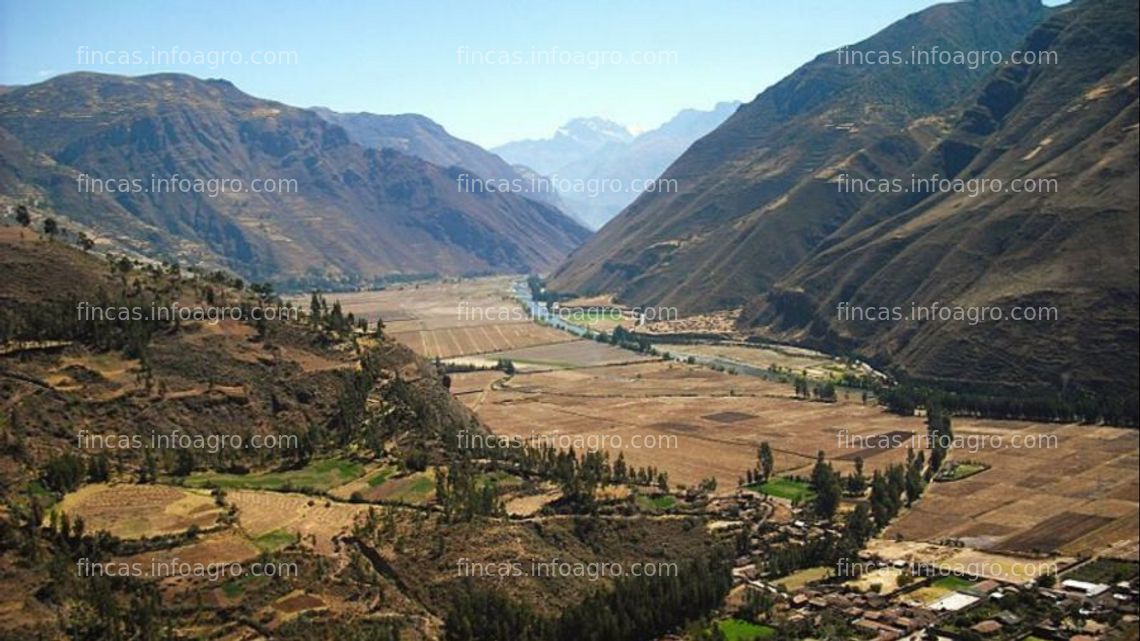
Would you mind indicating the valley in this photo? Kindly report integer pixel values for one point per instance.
(736, 353)
(694, 423)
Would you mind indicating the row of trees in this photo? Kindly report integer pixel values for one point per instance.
(621, 337)
(334, 319)
(824, 392)
(1054, 407)
(634, 608)
(580, 476)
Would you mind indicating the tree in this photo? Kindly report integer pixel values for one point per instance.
(858, 525)
(51, 228)
(856, 483)
(315, 309)
(22, 215)
(767, 461)
(828, 492)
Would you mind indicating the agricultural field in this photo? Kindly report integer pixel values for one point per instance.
(566, 355)
(1074, 493)
(135, 511)
(317, 475)
(787, 489)
(1067, 490)
(785, 358)
(452, 318)
(966, 560)
(737, 630)
(269, 519)
(687, 420)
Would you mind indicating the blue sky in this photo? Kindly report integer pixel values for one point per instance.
(635, 62)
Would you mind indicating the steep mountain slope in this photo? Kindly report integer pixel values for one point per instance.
(425, 139)
(326, 209)
(753, 198)
(619, 170)
(1072, 246)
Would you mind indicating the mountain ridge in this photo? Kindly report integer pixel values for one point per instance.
(356, 214)
(595, 152)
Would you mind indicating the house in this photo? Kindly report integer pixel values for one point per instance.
(987, 627)
(1084, 588)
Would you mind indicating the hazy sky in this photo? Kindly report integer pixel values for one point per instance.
(490, 72)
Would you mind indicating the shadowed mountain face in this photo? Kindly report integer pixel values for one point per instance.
(614, 167)
(425, 139)
(96, 148)
(753, 198)
(1073, 245)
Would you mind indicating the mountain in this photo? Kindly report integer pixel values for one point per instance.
(426, 139)
(761, 223)
(1072, 248)
(602, 168)
(153, 163)
(572, 142)
(752, 199)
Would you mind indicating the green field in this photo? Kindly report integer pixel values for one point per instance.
(275, 540)
(785, 489)
(954, 583)
(656, 503)
(317, 475)
(737, 630)
(379, 476)
(416, 488)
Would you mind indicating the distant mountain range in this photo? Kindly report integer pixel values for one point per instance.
(602, 167)
(341, 212)
(426, 139)
(760, 220)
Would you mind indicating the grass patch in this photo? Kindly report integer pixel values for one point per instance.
(416, 488)
(275, 540)
(797, 580)
(504, 481)
(785, 489)
(958, 470)
(738, 630)
(379, 476)
(656, 503)
(317, 475)
(953, 583)
(236, 588)
(40, 494)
